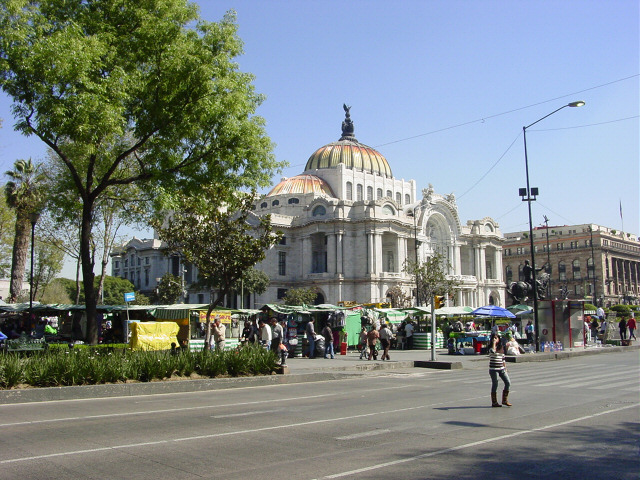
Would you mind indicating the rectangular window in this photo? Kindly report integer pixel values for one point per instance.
(282, 292)
(559, 246)
(146, 278)
(282, 263)
(116, 264)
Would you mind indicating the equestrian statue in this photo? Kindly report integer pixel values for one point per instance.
(521, 291)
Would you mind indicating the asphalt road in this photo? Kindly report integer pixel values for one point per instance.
(576, 418)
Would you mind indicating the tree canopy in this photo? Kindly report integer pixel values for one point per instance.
(142, 92)
(430, 277)
(300, 296)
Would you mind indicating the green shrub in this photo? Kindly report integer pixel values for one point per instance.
(11, 371)
(621, 310)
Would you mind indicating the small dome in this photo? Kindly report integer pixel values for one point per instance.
(301, 184)
(350, 152)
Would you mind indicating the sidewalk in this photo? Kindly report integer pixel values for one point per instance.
(299, 370)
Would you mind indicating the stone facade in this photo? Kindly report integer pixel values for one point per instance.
(584, 259)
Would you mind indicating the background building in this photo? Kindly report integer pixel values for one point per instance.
(581, 260)
(349, 225)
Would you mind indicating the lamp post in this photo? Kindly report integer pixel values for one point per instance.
(529, 195)
(34, 217)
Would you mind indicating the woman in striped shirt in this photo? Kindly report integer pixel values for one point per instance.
(498, 367)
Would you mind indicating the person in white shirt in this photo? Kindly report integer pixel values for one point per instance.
(408, 332)
(265, 334)
(385, 339)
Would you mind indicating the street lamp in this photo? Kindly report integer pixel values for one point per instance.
(528, 195)
(548, 269)
(34, 217)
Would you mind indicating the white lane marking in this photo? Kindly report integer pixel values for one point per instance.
(627, 383)
(475, 444)
(225, 434)
(185, 409)
(246, 414)
(363, 434)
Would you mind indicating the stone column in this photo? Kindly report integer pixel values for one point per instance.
(331, 253)
(377, 244)
(305, 254)
(483, 263)
(339, 266)
(402, 252)
(369, 252)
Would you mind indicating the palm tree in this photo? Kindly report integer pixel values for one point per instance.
(25, 195)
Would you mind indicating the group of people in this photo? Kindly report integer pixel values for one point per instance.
(600, 328)
(369, 340)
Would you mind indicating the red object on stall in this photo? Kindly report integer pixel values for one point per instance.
(343, 348)
(477, 346)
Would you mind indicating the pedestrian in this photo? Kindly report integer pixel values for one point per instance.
(631, 325)
(622, 325)
(529, 331)
(219, 333)
(408, 333)
(372, 340)
(277, 334)
(385, 340)
(363, 342)
(265, 334)
(327, 333)
(594, 329)
(311, 338)
(498, 367)
(600, 314)
(247, 334)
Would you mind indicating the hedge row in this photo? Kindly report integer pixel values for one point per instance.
(59, 367)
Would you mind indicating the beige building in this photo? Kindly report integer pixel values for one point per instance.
(581, 260)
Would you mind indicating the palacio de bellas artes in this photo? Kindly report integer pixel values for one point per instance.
(349, 225)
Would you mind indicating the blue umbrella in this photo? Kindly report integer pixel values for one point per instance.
(493, 311)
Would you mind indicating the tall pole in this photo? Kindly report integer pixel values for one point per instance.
(34, 219)
(593, 263)
(528, 199)
(533, 254)
(546, 221)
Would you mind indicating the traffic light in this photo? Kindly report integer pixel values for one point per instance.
(438, 301)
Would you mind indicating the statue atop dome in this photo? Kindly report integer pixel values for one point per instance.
(347, 125)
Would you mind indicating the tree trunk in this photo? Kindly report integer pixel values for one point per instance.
(87, 272)
(78, 265)
(19, 258)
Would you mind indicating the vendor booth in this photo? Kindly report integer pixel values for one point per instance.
(561, 323)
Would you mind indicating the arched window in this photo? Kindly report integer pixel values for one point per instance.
(399, 198)
(575, 268)
(389, 194)
(275, 203)
(369, 193)
(319, 211)
(293, 200)
(359, 192)
(349, 191)
(378, 194)
(562, 271)
(263, 205)
(388, 210)
(407, 199)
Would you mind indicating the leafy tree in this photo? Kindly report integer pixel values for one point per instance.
(149, 96)
(399, 299)
(114, 290)
(300, 296)
(170, 290)
(47, 264)
(216, 232)
(55, 292)
(25, 194)
(430, 278)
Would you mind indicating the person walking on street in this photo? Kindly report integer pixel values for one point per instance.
(311, 338)
(385, 340)
(631, 325)
(219, 332)
(265, 334)
(594, 329)
(498, 367)
(529, 331)
(372, 340)
(363, 342)
(622, 325)
(327, 333)
(277, 334)
(408, 333)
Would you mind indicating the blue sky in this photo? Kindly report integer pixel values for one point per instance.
(442, 89)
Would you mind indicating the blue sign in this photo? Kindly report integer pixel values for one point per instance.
(129, 297)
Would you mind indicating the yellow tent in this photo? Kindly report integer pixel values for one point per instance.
(153, 335)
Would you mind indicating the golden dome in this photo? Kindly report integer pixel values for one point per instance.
(350, 152)
(301, 184)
